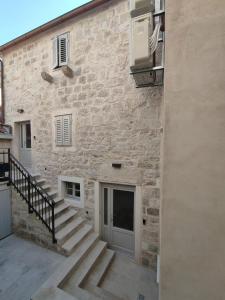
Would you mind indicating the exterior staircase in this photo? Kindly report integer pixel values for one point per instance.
(89, 257)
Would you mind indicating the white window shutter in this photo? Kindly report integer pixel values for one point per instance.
(55, 52)
(63, 41)
(67, 130)
(59, 130)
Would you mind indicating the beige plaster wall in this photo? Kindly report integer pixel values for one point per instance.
(193, 206)
(112, 120)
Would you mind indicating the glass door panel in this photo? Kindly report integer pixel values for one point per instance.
(123, 209)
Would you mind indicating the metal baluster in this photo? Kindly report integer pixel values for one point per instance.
(29, 195)
(53, 223)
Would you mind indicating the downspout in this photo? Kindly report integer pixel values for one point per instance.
(2, 112)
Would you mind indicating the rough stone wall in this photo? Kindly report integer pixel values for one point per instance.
(28, 225)
(112, 120)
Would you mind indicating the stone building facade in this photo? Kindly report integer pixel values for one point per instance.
(112, 121)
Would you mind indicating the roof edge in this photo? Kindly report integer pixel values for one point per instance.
(61, 19)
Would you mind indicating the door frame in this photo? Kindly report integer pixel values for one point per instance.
(137, 209)
(21, 128)
(111, 228)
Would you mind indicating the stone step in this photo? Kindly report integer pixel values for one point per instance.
(89, 262)
(44, 187)
(96, 277)
(63, 219)
(82, 294)
(35, 175)
(67, 268)
(85, 265)
(40, 181)
(67, 231)
(53, 293)
(74, 241)
(58, 201)
(58, 210)
(51, 194)
(38, 205)
(101, 293)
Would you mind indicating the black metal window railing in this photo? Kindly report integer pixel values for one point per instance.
(38, 200)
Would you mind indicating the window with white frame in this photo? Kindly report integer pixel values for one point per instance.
(72, 190)
(60, 50)
(63, 130)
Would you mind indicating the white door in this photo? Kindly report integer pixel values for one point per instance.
(25, 144)
(118, 217)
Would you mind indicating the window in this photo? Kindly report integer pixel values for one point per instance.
(73, 190)
(60, 50)
(63, 130)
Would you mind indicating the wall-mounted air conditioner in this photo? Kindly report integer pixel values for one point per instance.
(140, 7)
(141, 30)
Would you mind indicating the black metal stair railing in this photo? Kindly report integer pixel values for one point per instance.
(38, 200)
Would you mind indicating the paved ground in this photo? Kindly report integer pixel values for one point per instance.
(24, 267)
(128, 280)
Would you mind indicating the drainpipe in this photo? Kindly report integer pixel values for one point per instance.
(2, 112)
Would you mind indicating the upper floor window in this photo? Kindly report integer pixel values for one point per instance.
(60, 50)
(63, 130)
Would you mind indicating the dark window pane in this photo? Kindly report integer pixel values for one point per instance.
(77, 186)
(69, 188)
(105, 206)
(77, 194)
(123, 209)
(28, 136)
(69, 185)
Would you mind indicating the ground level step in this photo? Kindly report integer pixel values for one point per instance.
(79, 274)
(102, 294)
(90, 261)
(101, 268)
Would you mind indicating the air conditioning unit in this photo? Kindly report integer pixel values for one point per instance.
(141, 30)
(140, 7)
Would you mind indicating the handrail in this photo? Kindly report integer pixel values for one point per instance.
(34, 180)
(35, 196)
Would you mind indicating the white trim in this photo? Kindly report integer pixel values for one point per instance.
(138, 223)
(97, 197)
(61, 189)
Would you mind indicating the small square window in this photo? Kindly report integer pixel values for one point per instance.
(73, 190)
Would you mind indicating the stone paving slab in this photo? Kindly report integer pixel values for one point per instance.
(24, 267)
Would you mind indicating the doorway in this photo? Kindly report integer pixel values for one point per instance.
(25, 144)
(118, 217)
